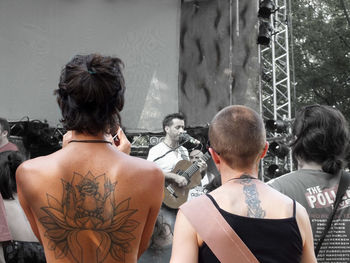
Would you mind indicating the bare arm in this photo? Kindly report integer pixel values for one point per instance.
(157, 197)
(302, 217)
(22, 197)
(185, 244)
(122, 142)
(178, 179)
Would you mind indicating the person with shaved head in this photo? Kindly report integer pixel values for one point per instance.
(272, 226)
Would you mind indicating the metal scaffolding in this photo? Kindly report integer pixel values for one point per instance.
(275, 94)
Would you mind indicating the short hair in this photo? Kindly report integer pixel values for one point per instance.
(91, 93)
(321, 135)
(238, 134)
(9, 162)
(168, 120)
(5, 126)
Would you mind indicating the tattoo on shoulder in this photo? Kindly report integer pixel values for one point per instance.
(252, 199)
(88, 208)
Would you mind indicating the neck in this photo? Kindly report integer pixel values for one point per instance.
(4, 142)
(86, 136)
(309, 165)
(170, 143)
(229, 173)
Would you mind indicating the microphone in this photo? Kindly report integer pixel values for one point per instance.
(186, 137)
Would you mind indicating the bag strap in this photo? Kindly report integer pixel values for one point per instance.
(342, 186)
(216, 232)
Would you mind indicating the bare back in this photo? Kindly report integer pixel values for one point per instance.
(91, 203)
(252, 198)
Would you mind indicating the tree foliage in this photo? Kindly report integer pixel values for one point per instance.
(321, 40)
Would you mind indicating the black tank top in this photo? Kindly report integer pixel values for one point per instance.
(270, 240)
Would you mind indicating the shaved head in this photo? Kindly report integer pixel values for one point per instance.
(237, 134)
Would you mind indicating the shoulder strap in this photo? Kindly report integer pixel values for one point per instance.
(216, 232)
(344, 182)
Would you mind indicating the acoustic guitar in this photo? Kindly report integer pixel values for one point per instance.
(174, 195)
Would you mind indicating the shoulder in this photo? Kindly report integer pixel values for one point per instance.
(32, 173)
(284, 180)
(37, 164)
(143, 169)
(302, 219)
(160, 147)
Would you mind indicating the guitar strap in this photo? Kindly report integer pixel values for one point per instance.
(216, 232)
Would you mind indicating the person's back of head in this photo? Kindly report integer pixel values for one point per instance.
(91, 93)
(237, 134)
(9, 161)
(321, 136)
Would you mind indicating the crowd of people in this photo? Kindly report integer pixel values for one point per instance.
(92, 202)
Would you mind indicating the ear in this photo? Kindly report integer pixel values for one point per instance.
(215, 156)
(265, 150)
(166, 129)
(4, 133)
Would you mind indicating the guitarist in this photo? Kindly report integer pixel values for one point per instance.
(166, 155)
(173, 126)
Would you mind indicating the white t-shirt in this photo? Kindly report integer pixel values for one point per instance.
(168, 162)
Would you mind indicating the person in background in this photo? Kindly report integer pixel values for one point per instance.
(274, 227)
(5, 144)
(166, 155)
(23, 246)
(320, 146)
(89, 201)
(207, 177)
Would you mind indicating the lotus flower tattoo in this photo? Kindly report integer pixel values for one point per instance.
(88, 208)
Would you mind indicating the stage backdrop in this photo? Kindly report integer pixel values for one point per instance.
(37, 37)
(189, 56)
(218, 57)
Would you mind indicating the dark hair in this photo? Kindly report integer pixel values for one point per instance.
(168, 120)
(237, 133)
(322, 136)
(91, 93)
(9, 161)
(5, 126)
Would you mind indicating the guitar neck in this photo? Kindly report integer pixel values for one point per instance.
(194, 167)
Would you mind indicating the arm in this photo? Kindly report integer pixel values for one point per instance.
(178, 179)
(185, 243)
(157, 198)
(302, 217)
(122, 142)
(23, 198)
